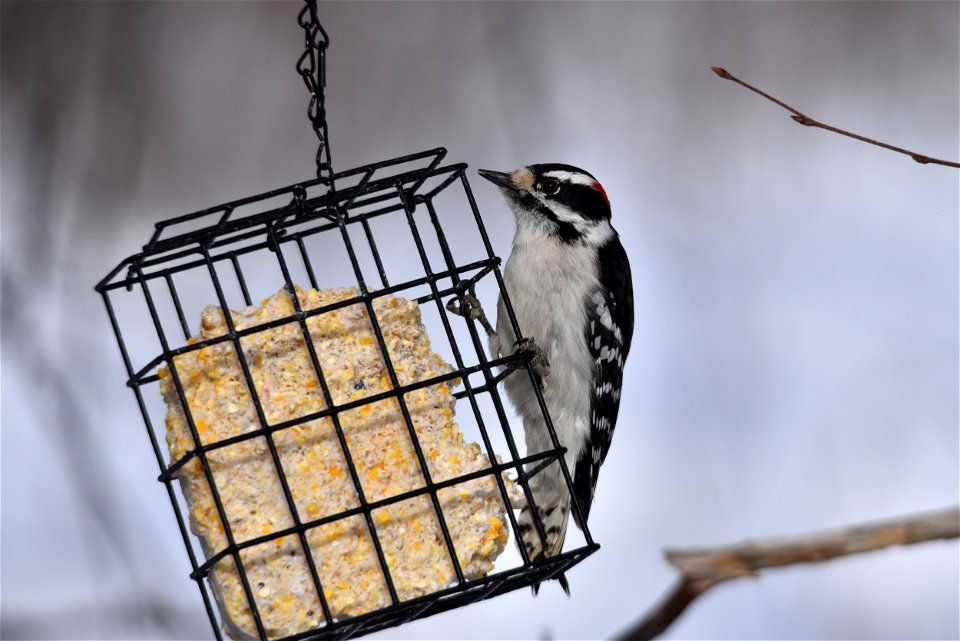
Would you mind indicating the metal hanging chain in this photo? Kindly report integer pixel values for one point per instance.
(312, 67)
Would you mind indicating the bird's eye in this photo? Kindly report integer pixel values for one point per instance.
(549, 186)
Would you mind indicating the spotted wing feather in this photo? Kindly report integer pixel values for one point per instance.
(609, 333)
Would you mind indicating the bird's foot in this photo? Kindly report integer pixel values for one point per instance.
(537, 357)
(467, 304)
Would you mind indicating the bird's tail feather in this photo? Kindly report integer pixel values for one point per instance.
(561, 579)
(553, 516)
(554, 513)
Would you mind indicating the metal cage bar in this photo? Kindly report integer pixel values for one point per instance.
(218, 238)
(511, 315)
(268, 437)
(458, 358)
(341, 436)
(204, 463)
(178, 513)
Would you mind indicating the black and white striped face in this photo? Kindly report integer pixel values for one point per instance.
(556, 200)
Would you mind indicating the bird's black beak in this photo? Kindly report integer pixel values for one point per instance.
(499, 179)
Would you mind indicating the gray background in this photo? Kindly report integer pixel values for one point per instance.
(795, 361)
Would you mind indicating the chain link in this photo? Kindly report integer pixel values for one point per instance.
(312, 67)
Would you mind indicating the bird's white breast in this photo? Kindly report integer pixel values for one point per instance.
(549, 283)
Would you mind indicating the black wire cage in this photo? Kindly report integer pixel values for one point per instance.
(384, 225)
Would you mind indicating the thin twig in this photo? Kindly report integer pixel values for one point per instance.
(804, 119)
(702, 568)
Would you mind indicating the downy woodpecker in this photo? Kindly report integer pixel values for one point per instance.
(568, 279)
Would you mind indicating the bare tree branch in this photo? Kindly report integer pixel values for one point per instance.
(803, 119)
(702, 568)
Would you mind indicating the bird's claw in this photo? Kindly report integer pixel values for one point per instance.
(538, 359)
(467, 304)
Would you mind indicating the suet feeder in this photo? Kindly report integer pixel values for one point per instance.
(233, 255)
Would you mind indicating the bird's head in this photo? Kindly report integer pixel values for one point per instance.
(556, 200)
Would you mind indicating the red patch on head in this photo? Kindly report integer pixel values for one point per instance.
(602, 191)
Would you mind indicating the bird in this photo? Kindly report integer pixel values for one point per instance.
(569, 283)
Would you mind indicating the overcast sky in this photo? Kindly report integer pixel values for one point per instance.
(795, 361)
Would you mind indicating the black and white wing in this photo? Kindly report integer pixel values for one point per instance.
(609, 332)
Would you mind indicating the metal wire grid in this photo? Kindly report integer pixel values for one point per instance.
(220, 236)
